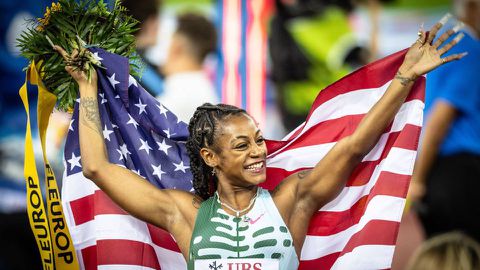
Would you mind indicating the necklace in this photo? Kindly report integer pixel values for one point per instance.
(237, 212)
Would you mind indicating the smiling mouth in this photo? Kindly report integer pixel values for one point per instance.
(255, 167)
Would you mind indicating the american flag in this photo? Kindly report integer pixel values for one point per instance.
(357, 230)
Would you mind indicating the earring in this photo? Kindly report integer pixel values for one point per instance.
(213, 171)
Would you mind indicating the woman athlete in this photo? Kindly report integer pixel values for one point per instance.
(230, 220)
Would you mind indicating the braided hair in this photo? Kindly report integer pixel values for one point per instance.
(204, 126)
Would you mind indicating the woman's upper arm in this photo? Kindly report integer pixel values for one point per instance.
(140, 198)
(325, 181)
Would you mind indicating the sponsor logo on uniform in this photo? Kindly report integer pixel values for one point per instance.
(237, 264)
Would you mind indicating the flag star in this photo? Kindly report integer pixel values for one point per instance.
(145, 146)
(132, 121)
(180, 167)
(163, 110)
(124, 150)
(112, 80)
(157, 170)
(103, 98)
(71, 125)
(117, 96)
(106, 133)
(141, 106)
(114, 126)
(97, 57)
(77, 100)
(74, 162)
(121, 154)
(167, 132)
(131, 80)
(163, 146)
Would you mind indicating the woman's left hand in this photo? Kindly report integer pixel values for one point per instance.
(424, 55)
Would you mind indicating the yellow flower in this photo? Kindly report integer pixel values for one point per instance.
(46, 17)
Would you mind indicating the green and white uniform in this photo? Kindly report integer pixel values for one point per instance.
(260, 234)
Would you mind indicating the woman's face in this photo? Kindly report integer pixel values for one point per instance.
(241, 151)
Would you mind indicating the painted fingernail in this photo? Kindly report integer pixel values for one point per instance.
(445, 18)
(459, 37)
(420, 30)
(463, 54)
(458, 26)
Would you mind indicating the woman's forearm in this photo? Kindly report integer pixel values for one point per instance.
(92, 145)
(382, 113)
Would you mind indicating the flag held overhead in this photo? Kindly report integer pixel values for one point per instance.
(145, 137)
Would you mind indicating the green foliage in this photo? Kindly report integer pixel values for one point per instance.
(70, 24)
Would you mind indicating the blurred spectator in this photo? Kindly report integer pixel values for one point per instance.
(186, 85)
(451, 251)
(146, 12)
(447, 171)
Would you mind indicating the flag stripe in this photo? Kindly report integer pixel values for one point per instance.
(362, 257)
(162, 238)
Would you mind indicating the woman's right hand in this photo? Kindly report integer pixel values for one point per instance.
(77, 74)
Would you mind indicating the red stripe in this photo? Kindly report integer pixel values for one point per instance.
(89, 256)
(324, 262)
(370, 235)
(297, 131)
(325, 223)
(162, 238)
(117, 251)
(273, 145)
(86, 208)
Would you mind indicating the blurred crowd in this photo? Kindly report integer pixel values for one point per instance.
(311, 43)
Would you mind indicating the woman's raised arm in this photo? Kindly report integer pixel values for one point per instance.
(315, 188)
(135, 195)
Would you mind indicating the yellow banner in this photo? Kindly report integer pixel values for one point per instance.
(52, 235)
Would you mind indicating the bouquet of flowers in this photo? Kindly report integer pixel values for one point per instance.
(74, 24)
